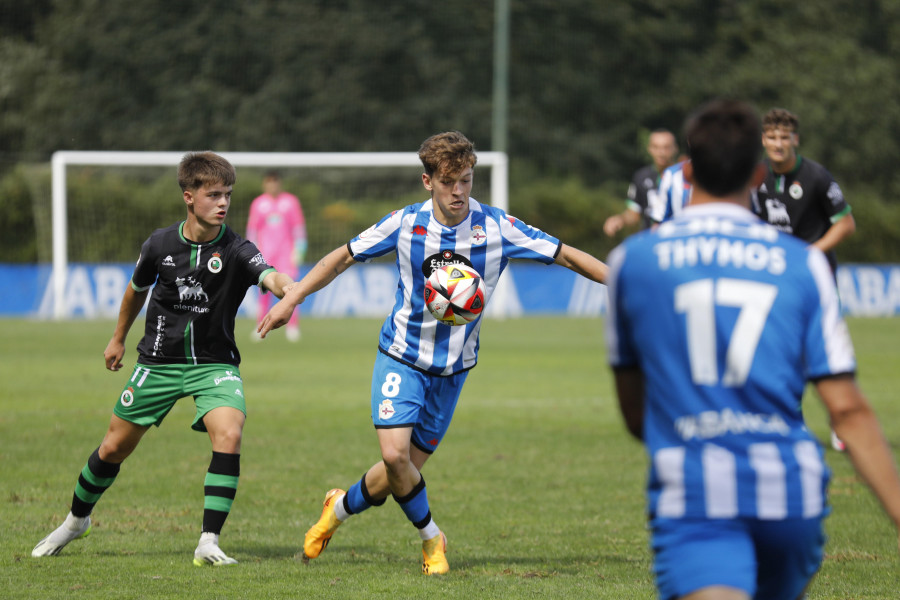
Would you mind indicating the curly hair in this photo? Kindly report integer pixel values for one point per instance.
(780, 117)
(448, 153)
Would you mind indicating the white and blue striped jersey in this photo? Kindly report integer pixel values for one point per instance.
(486, 240)
(727, 318)
(673, 195)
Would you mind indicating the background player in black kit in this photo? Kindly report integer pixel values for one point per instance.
(663, 149)
(800, 196)
(199, 270)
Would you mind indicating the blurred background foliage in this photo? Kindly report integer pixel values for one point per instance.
(588, 81)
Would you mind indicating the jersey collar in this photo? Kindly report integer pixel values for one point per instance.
(187, 241)
(791, 172)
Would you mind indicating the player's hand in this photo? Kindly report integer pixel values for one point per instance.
(278, 316)
(612, 225)
(113, 354)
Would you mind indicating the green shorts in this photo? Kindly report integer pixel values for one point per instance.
(153, 390)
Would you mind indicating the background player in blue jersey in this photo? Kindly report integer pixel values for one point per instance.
(421, 363)
(662, 148)
(717, 321)
(199, 270)
(673, 195)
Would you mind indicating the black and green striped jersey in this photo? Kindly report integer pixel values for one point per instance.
(804, 202)
(198, 290)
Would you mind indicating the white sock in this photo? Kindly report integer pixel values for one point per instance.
(429, 531)
(74, 523)
(339, 512)
(208, 537)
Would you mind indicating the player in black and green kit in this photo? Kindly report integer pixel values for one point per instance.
(199, 271)
(800, 196)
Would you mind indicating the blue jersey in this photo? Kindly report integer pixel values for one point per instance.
(727, 318)
(673, 195)
(486, 240)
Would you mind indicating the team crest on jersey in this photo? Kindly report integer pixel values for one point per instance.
(478, 235)
(386, 410)
(127, 397)
(796, 191)
(215, 263)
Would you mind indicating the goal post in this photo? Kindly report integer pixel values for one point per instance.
(61, 160)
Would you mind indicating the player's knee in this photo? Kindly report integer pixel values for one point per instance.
(228, 439)
(396, 460)
(115, 450)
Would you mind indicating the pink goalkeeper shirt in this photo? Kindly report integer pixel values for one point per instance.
(275, 225)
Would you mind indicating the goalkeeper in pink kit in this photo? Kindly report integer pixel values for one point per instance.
(278, 228)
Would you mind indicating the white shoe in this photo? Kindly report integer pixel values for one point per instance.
(209, 553)
(71, 529)
(293, 334)
(836, 442)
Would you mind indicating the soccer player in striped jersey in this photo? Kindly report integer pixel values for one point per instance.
(717, 321)
(673, 195)
(421, 363)
(199, 271)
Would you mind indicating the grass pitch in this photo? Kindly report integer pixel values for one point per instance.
(537, 485)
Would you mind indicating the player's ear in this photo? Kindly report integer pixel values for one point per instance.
(426, 181)
(188, 198)
(688, 171)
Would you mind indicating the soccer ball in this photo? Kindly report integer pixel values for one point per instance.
(454, 294)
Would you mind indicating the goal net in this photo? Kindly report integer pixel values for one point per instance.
(105, 204)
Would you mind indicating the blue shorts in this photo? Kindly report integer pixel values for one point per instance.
(767, 559)
(405, 397)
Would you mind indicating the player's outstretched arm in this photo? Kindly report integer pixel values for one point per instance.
(836, 234)
(855, 423)
(582, 263)
(132, 303)
(617, 222)
(326, 270)
(277, 283)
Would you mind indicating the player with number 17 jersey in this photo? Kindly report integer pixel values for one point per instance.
(485, 240)
(731, 401)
